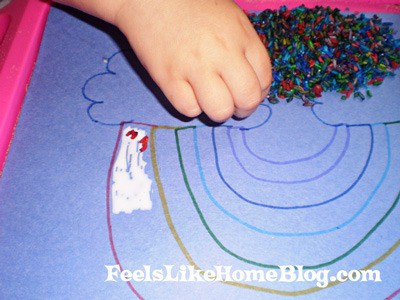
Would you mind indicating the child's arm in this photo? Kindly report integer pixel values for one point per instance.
(204, 54)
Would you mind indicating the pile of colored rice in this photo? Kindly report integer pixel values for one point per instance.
(319, 49)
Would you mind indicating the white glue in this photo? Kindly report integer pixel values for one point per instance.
(131, 186)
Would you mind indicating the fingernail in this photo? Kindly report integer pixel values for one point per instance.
(242, 114)
(264, 93)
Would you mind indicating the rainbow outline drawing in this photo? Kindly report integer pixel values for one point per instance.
(155, 148)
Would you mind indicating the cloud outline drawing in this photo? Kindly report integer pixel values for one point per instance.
(94, 102)
(115, 93)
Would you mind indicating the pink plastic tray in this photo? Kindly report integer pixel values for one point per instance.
(21, 27)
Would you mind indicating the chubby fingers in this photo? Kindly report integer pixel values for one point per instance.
(243, 84)
(181, 95)
(258, 57)
(234, 85)
(212, 94)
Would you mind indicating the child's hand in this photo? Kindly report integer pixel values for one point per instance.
(204, 54)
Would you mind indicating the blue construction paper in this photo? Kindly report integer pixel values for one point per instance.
(290, 185)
